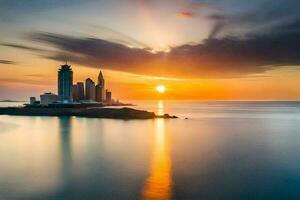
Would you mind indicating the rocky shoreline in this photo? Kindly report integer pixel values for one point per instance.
(96, 112)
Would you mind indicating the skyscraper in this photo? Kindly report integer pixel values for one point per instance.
(101, 79)
(108, 96)
(100, 88)
(99, 93)
(90, 89)
(80, 91)
(65, 81)
(75, 92)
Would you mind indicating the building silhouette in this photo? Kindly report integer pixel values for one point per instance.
(108, 96)
(80, 91)
(100, 88)
(90, 90)
(65, 81)
(32, 100)
(48, 98)
(75, 92)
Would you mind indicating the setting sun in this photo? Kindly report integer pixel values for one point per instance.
(161, 88)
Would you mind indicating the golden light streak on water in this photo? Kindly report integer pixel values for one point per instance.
(160, 107)
(158, 185)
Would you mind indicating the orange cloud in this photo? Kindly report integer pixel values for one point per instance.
(185, 14)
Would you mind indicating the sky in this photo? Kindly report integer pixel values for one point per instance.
(198, 49)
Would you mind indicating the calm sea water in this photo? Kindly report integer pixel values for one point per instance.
(224, 150)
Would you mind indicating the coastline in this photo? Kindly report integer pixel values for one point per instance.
(92, 112)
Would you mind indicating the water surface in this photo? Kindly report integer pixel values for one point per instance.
(224, 150)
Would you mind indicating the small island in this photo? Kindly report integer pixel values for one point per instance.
(91, 112)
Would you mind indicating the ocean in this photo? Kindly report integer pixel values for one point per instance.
(214, 150)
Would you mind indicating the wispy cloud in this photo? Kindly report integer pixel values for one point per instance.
(38, 83)
(19, 46)
(185, 14)
(7, 62)
(39, 76)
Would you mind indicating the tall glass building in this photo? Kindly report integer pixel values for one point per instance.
(65, 82)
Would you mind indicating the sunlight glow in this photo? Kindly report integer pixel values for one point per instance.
(161, 88)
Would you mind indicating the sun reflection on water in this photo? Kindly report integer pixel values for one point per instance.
(160, 107)
(159, 183)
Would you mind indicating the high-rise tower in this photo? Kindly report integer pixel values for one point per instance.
(101, 81)
(65, 81)
(80, 89)
(100, 88)
(89, 89)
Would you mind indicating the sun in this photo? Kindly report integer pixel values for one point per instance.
(161, 88)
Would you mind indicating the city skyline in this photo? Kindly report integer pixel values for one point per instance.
(69, 92)
(208, 50)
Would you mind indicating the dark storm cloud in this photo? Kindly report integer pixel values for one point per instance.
(7, 62)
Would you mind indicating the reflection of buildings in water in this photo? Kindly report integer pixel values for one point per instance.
(65, 136)
(159, 183)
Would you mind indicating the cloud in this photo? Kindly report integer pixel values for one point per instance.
(262, 17)
(10, 8)
(7, 62)
(242, 42)
(185, 14)
(217, 27)
(118, 37)
(201, 5)
(215, 17)
(38, 83)
(37, 75)
(42, 52)
(225, 57)
(18, 46)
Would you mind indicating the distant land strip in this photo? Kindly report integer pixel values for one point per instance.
(113, 113)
